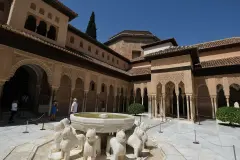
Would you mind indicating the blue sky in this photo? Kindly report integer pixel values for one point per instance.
(188, 21)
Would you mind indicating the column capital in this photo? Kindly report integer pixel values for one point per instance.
(213, 96)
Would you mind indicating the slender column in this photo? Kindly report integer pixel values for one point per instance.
(177, 95)
(227, 99)
(127, 98)
(119, 102)
(106, 104)
(114, 103)
(183, 104)
(1, 91)
(142, 100)
(192, 108)
(70, 101)
(134, 98)
(96, 105)
(149, 106)
(155, 103)
(124, 100)
(164, 106)
(213, 106)
(160, 105)
(188, 112)
(84, 108)
(53, 90)
(171, 103)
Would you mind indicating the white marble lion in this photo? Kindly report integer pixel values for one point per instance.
(135, 141)
(118, 145)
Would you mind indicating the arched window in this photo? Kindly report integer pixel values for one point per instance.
(33, 6)
(41, 11)
(103, 54)
(42, 28)
(30, 23)
(103, 88)
(72, 39)
(81, 44)
(92, 86)
(50, 15)
(52, 33)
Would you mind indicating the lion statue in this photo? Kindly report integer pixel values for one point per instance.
(118, 145)
(135, 141)
(92, 145)
(70, 141)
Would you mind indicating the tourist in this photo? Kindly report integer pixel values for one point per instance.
(13, 111)
(53, 111)
(74, 106)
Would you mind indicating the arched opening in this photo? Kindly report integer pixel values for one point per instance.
(234, 94)
(117, 101)
(170, 100)
(204, 104)
(145, 100)
(221, 100)
(138, 98)
(42, 28)
(102, 98)
(131, 100)
(182, 101)
(110, 99)
(63, 95)
(52, 33)
(31, 23)
(78, 93)
(159, 95)
(29, 85)
(91, 97)
(121, 101)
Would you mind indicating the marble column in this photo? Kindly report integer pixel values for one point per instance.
(155, 103)
(227, 99)
(177, 96)
(164, 106)
(84, 101)
(119, 103)
(142, 100)
(52, 97)
(160, 106)
(1, 93)
(96, 104)
(188, 110)
(213, 106)
(149, 106)
(192, 108)
(183, 105)
(114, 103)
(106, 108)
(127, 98)
(171, 103)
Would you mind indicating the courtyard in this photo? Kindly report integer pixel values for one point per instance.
(176, 141)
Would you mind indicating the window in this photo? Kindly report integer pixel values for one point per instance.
(52, 33)
(92, 86)
(108, 57)
(72, 39)
(81, 44)
(112, 59)
(89, 48)
(96, 52)
(30, 23)
(42, 28)
(117, 61)
(103, 88)
(41, 11)
(32, 6)
(57, 19)
(50, 15)
(136, 54)
(103, 54)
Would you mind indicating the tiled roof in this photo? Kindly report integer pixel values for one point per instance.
(217, 43)
(82, 56)
(138, 59)
(170, 50)
(140, 71)
(200, 46)
(62, 8)
(221, 62)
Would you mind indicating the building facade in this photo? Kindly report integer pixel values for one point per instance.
(45, 58)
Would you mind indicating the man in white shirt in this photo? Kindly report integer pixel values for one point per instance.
(74, 106)
(13, 110)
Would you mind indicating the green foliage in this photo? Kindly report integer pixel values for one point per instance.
(135, 108)
(91, 28)
(228, 114)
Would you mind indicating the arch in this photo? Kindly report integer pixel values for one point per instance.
(102, 98)
(31, 23)
(110, 99)
(234, 94)
(78, 93)
(32, 62)
(91, 97)
(221, 99)
(121, 100)
(33, 6)
(103, 87)
(52, 33)
(138, 98)
(204, 103)
(170, 99)
(42, 28)
(92, 86)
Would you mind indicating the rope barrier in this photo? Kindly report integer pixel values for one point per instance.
(34, 120)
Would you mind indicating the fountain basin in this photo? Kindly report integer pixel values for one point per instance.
(109, 123)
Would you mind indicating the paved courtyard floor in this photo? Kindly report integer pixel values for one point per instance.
(176, 141)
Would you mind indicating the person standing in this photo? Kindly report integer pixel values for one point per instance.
(53, 111)
(74, 106)
(13, 111)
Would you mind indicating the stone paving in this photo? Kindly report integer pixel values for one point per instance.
(176, 141)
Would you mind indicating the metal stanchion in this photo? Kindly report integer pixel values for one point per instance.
(160, 131)
(195, 140)
(199, 120)
(42, 127)
(26, 130)
(162, 117)
(234, 152)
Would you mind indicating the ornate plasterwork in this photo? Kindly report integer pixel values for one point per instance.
(176, 78)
